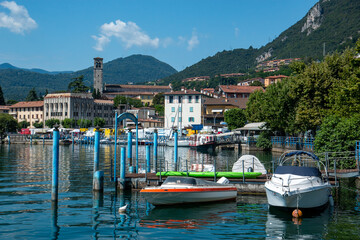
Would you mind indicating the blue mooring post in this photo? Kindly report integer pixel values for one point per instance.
(116, 130)
(96, 149)
(137, 144)
(55, 165)
(155, 149)
(98, 176)
(129, 150)
(175, 148)
(148, 166)
(122, 167)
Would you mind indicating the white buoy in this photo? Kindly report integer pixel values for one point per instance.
(123, 208)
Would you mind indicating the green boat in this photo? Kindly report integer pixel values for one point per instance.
(210, 174)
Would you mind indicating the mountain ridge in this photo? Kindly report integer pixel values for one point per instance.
(17, 82)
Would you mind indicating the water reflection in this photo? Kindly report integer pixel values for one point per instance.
(187, 217)
(281, 225)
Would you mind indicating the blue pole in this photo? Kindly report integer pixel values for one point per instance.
(122, 166)
(155, 149)
(130, 150)
(175, 149)
(148, 158)
(116, 127)
(137, 145)
(55, 165)
(96, 149)
(30, 139)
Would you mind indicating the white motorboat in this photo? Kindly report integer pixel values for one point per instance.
(182, 190)
(297, 182)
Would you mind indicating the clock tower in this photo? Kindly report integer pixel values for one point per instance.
(98, 74)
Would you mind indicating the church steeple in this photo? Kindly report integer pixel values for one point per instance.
(98, 75)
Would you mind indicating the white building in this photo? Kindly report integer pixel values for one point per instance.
(183, 108)
(77, 106)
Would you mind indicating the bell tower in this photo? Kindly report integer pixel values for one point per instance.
(98, 74)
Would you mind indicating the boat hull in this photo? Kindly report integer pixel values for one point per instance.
(160, 197)
(305, 198)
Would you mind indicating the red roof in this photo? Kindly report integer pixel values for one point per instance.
(239, 89)
(28, 104)
(276, 77)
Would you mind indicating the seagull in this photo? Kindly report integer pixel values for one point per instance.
(123, 208)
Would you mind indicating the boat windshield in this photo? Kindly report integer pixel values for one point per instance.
(301, 171)
(180, 180)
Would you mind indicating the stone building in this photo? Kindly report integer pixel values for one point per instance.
(77, 106)
(98, 74)
(30, 112)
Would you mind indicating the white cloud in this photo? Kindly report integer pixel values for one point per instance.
(128, 33)
(18, 20)
(193, 42)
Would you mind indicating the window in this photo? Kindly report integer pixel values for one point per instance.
(180, 99)
(191, 109)
(179, 109)
(171, 99)
(180, 120)
(190, 99)
(191, 119)
(172, 109)
(172, 119)
(197, 99)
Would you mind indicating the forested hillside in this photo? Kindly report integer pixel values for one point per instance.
(330, 25)
(16, 83)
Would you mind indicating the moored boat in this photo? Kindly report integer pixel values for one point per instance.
(203, 141)
(297, 182)
(182, 190)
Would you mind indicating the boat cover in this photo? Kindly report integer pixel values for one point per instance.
(301, 171)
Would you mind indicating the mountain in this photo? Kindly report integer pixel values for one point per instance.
(16, 82)
(37, 70)
(330, 25)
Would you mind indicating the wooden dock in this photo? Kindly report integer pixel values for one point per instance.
(244, 186)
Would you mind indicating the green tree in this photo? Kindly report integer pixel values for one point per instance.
(84, 123)
(160, 109)
(7, 124)
(23, 124)
(51, 122)
(159, 99)
(129, 101)
(264, 140)
(2, 100)
(256, 83)
(38, 124)
(96, 94)
(68, 123)
(99, 122)
(32, 96)
(235, 118)
(78, 86)
(11, 102)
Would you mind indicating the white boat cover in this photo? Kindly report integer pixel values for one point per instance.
(249, 161)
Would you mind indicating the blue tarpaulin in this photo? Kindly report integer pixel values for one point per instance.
(197, 127)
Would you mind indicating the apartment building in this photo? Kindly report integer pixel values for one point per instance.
(183, 108)
(31, 112)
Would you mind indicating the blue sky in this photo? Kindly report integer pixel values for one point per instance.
(59, 35)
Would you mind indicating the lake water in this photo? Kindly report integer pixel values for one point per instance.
(26, 211)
